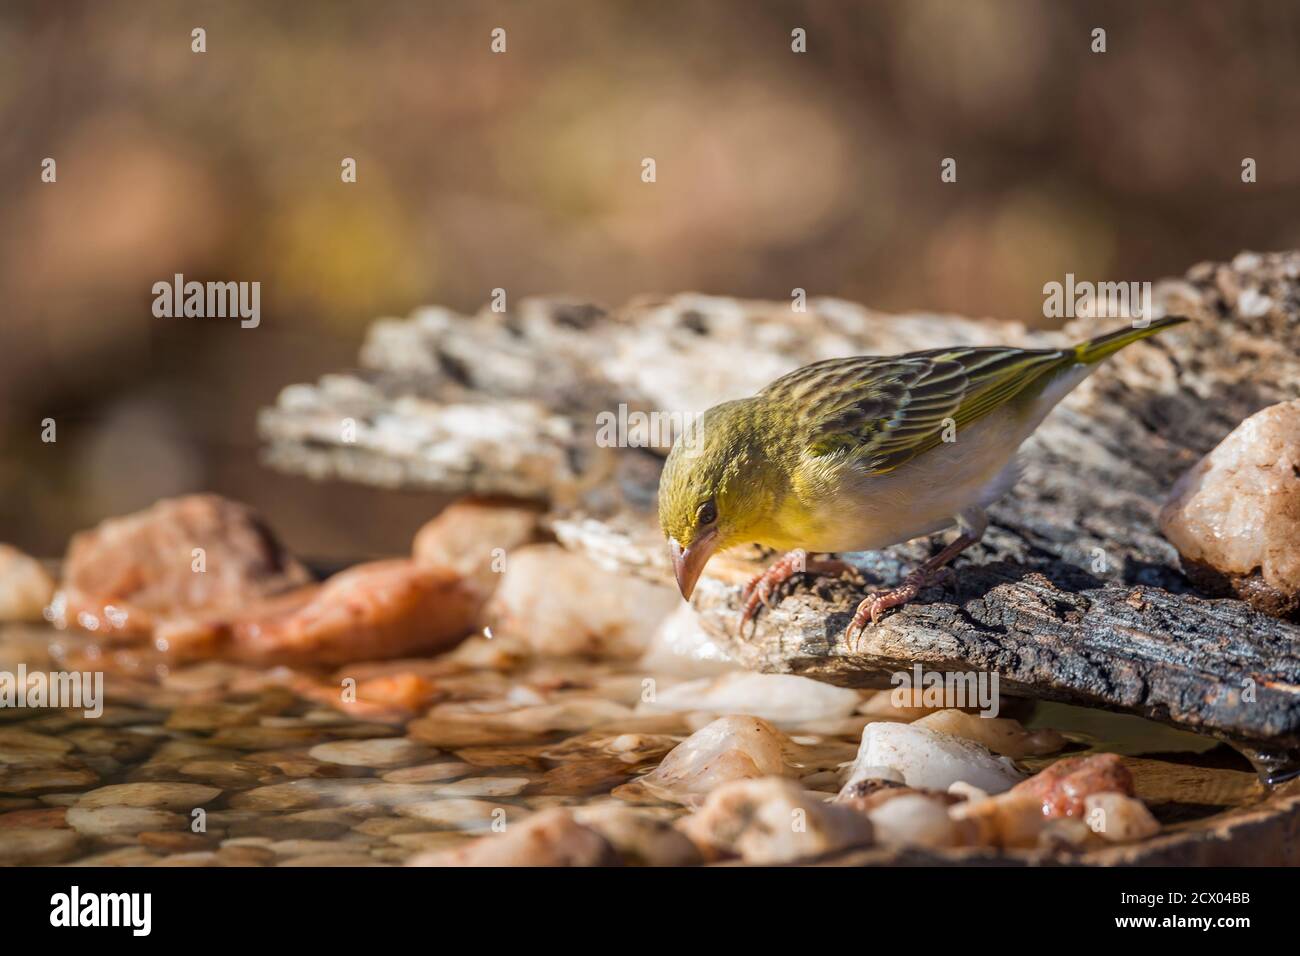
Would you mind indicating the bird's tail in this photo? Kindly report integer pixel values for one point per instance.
(1094, 350)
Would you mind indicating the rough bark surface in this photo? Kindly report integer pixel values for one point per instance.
(1073, 595)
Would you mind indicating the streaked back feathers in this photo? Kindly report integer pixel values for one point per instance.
(884, 411)
(870, 414)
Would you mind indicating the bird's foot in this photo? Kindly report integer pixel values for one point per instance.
(972, 523)
(759, 591)
(874, 606)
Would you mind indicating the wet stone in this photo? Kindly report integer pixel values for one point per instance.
(497, 757)
(279, 796)
(176, 842)
(202, 858)
(354, 731)
(333, 859)
(167, 796)
(123, 856)
(297, 764)
(429, 840)
(429, 773)
(453, 733)
(344, 815)
(247, 841)
(36, 847)
(640, 837)
(244, 856)
(484, 787)
(175, 752)
(38, 819)
(20, 749)
(59, 799)
(269, 738)
(462, 813)
(133, 718)
(225, 818)
(388, 827)
(272, 827)
(302, 847)
(548, 838)
(229, 774)
(215, 716)
(105, 821)
(382, 752)
(123, 746)
(18, 803)
(579, 778)
(46, 780)
(106, 767)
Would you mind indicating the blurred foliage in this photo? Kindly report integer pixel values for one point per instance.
(522, 170)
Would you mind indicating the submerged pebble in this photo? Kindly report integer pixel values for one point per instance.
(105, 821)
(166, 796)
(781, 699)
(462, 813)
(729, 748)
(484, 787)
(37, 847)
(547, 838)
(429, 773)
(382, 752)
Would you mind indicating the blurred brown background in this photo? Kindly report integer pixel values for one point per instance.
(522, 170)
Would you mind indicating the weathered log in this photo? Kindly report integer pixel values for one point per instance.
(508, 403)
(1073, 595)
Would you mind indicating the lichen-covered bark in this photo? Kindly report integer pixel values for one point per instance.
(1073, 595)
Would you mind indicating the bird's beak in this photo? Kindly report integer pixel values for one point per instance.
(688, 563)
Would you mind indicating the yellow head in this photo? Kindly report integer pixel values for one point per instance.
(719, 486)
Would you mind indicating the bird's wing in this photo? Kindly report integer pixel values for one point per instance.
(882, 412)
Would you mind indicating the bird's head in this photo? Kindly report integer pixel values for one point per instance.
(716, 489)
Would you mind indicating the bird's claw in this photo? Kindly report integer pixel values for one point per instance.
(874, 606)
(763, 585)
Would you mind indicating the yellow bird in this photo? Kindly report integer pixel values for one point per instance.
(856, 454)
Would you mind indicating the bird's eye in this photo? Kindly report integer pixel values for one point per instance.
(707, 514)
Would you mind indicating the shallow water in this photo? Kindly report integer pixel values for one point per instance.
(221, 764)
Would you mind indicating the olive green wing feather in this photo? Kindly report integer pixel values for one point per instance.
(882, 412)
